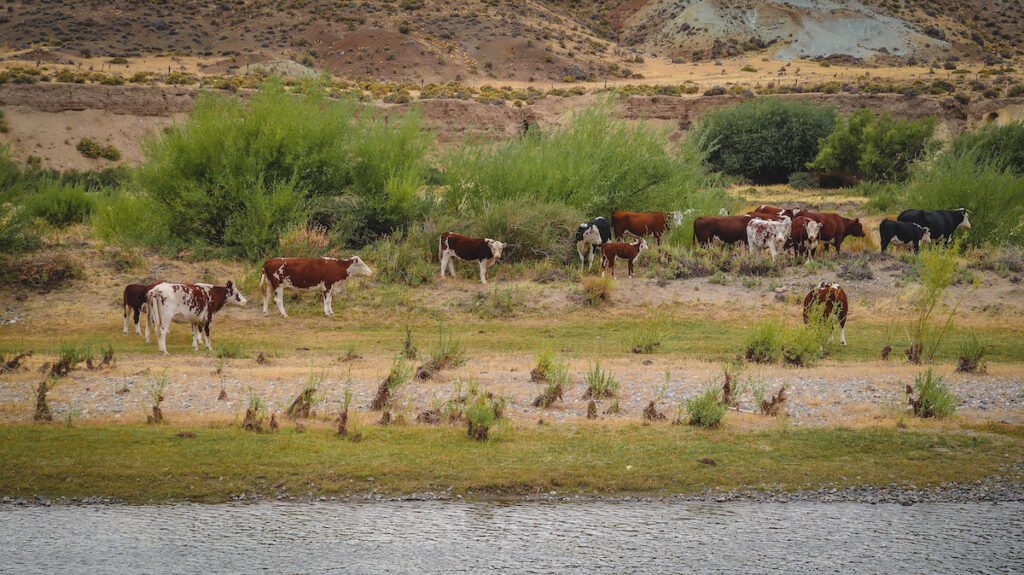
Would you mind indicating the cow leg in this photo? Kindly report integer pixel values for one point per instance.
(444, 263)
(126, 306)
(583, 257)
(917, 247)
(206, 329)
(279, 300)
(196, 336)
(161, 336)
(483, 271)
(630, 266)
(266, 296)
(842, 333)
(451, 265)
(328, 310)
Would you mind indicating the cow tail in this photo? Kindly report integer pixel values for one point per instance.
(263, 278)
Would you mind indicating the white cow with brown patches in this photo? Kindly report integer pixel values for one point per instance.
(768, 235)
(194, 304)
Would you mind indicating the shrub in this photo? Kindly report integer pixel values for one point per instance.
(972, 353)
(481, 414)
(127, 219)
(706, 410)
(1001, 147)
(60, 204)
(763, 140)
(448, 354)
(42, 272)
(938, 270)
(305, 402)
(874, 146)
(764, 342)
(17, 234)
(305, 241)
(406, 257)
(802, 180)
(399, 375)
(556, 383)
(600, 384)
(596, 290)
(89, 148)
(255, 413)
(231, 350)
(934, 399)
(155, 390)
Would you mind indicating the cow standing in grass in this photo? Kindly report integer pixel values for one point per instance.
(940, 223)
(645, 223)
(484, 251)
(828, 298)
(804, 236)
(768, 235)
(628, 252)
(590, 237)
(194, 304)
(135, 303)
(835, 228)
(321, 274)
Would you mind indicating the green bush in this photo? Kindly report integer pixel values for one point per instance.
(763, 140)
(406, 257)
(17, 234)
(600, 384)
(934, 399)
(706, 410)
(764, 342)
(1001, 147)
(874, 146)
(60, 204)
(126, 219)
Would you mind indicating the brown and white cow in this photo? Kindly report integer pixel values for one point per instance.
(645, 223)
(766, 209)
(322, 274)
(628, 252)
(768, 235)
(835, 228)
(828, 298)
(725, 229)
(134, 302)
(194, 304)
(804, 235)
(485, 251)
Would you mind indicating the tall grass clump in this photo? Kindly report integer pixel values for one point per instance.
(305, 402)
(763, 140)
(398, 376)
(481, 414)
(764, 342)
(17, 234)
(155, 390)
(595, 164)
(934, 399)
(972, 354)
(60, 204)
(648, 336)
(992, 194)
(875, 147)
(706, 409)
(449, 353)
(600, 384)
(239, 173)
(556, 383)
(1001, 146)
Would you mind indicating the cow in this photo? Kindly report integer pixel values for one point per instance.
(134, 303)
(903, 233)
(483, 250)
(645, 223)
(322, 274)
(768, 235)
(628, 252)
(194, 304)
(829, 298)
(941, 223)
(804, 235)
(725, 229)
(766, 209)
(589, 238)
(835, 228)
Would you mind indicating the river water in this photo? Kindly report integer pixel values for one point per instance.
(449, 537)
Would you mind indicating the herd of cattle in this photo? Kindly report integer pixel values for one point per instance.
(767, 228)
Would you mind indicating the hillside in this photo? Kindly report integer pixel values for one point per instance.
(481, 40)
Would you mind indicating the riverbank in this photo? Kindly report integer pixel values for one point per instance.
(218, 463)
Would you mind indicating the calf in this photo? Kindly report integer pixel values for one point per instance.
(483, 250)
(134, 303)
(828, 298)
(628, 252)
(589, 238)
(645, 223)
(804, 235)
(194, 304)
(768, 234)
(902, 233)
(835, 228)
(725, 229)
(322, 274)
(941, 223)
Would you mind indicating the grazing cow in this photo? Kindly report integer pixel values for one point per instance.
(829, 298)
(725, 229)
(628, 252)
(321, 274)
(768, 235)
(589, 238)
(483, 250)
(903, 233)
(941, 223)
(645, 223)
(835, 228)
(766, 209)
(134, 302)
(804, 235)
(194, 304)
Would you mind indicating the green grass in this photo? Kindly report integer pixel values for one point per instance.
(151, 464)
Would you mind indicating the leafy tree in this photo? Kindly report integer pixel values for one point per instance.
(875, 147)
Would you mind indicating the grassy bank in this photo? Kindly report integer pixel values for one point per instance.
(140, 464)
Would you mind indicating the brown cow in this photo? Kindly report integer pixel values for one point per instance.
(804, 235)
(645, 223)
(322, 274)
(134, 301)
(830, 298)
(835, 228)
(483, 250)
(778, 212)
(726, 229)
(628, 252)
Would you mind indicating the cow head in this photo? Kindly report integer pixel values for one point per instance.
(966, 224)
(642, 243)
(357, 267)
(855, 228)
(591, 235)
(813, 228)
(927, 235)
(234, 296)
(676, 218)
(780, 233)
(496, 248)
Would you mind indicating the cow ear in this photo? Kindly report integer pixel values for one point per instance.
(230, 284)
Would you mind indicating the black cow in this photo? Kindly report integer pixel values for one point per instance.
(941, 223)
(591, 236)
(903, 233)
